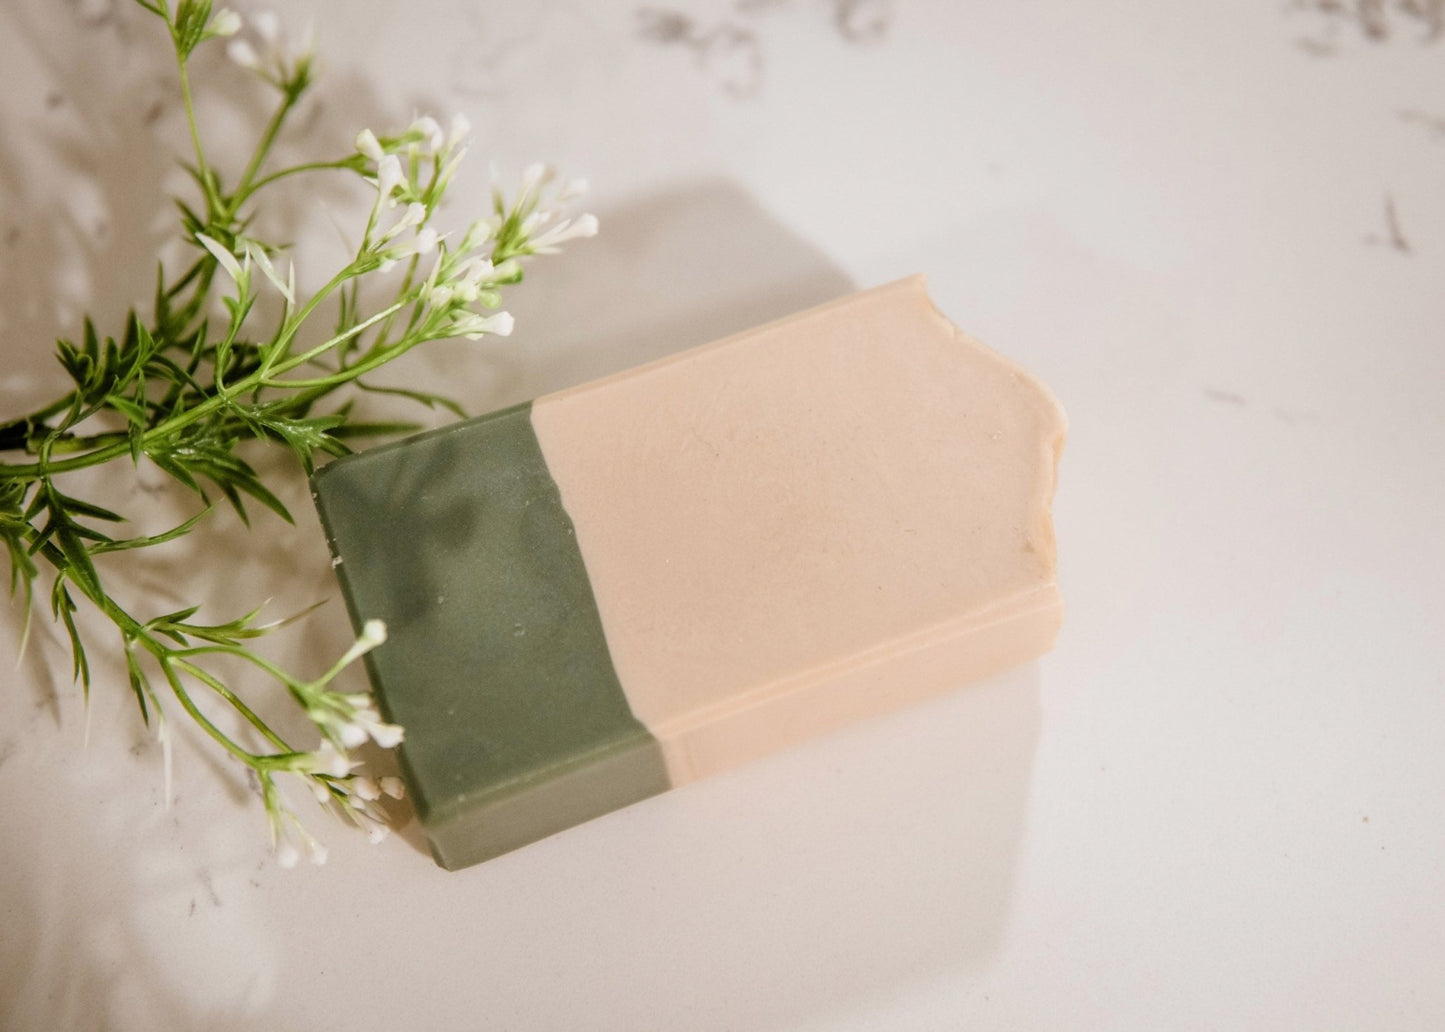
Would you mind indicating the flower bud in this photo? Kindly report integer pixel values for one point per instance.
(369, 146)
(225, 22)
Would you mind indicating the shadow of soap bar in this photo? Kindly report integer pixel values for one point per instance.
(635, 583)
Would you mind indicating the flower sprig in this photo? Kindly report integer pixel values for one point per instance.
(182, 390)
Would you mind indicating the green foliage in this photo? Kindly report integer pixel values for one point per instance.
(184, 392)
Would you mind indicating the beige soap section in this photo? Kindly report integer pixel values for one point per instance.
(802, 525)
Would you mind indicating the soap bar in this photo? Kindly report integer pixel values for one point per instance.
(632, 584)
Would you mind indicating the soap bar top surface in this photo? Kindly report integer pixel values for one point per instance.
(628, 585)
(792, 496)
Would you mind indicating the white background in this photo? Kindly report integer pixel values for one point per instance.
(1216, 230)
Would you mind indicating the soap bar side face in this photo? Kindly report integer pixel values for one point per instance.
(495, 663)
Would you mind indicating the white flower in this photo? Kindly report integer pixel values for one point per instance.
(436, 270)
(460, 127)
(275, 61)
(365, 788)
(430, 131)
(476, 273)
(567, 229)
(388, 176)
(392, 786)
(535, 176)
(414, 215)
(475, 327)
(310, 845)
(291, 840)
(363, 722)
(373, 633)
(225, 22)
(326, 760)
(388, 736)
(353, 736)
(267, 26)
(424, 242)
(479, 232)
(369, 146)
(371, 822)
(243, 54)
(477, 270)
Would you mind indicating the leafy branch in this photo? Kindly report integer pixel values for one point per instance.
(183, 389)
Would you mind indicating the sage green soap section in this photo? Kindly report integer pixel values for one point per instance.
(495, 660)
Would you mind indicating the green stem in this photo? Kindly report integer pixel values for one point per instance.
(213, 683)
(17, 433)
(168, 666)
(213, 203)
(65, 443)
(244, 188)
(406, 282)
(291, 683)
(374, 360)
(348, 373)
(314, 166)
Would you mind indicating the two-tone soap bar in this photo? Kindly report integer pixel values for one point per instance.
(629, 585)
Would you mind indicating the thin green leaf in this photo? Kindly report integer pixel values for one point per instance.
(82, 569)
(135, 415)
(139, 683)
(234, 477)
(189, 27)
(175, 469)
(80, 507)
(244, 627)
(179, 616)
(126, 544)
(135, 438)
(67, 536)
(63, 606)
(420, 397)
(375, 429)
(303, 436)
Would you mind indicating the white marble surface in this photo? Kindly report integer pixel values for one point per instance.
(1216, 229)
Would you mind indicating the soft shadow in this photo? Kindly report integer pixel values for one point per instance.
(838, 873)
(667, 271)
(73, 954)
(821, 881)
(87, 172)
